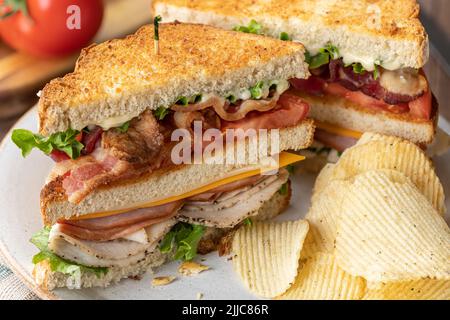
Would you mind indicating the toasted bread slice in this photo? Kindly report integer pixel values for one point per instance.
(119, 79)
(158, 185)
(345, 114)
(49, 280)
(365, 31)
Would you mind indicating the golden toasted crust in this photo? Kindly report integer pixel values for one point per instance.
(124, 77)
(365, 31)
(399, 19)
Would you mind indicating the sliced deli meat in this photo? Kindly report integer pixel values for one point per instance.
(119, 225)
(235, 206)
(115, 253)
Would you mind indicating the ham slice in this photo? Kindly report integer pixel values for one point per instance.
(120, 225)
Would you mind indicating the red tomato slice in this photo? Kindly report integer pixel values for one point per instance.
(293, 110)
(364, 100)
(421, 107)
(59, 156)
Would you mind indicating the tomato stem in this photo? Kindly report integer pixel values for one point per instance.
(11, 7)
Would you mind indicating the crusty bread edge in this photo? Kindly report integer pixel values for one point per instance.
(160, 184)
(57, 116)
(49, 280)
(413, 53)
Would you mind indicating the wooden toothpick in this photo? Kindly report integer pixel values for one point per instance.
(156, 22)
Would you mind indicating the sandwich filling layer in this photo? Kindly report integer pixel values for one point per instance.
(144, 144)
(124, 239)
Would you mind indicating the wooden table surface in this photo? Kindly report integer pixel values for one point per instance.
(434, 16)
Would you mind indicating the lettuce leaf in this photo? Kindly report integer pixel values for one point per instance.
(329, 52)
(57, 264)
(63, 141)
(185, 238)
(124, 127)
(161, 113)
(253, 27)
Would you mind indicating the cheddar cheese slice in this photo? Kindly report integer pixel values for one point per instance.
(285, 159)
(338, 130)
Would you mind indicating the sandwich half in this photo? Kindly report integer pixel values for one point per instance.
(365, 57)
(116, 203)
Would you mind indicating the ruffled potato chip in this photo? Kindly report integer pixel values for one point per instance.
(395, 154)
(320, 278)
(323, 218)
(266, 255)
(424, 289)
(389, 231)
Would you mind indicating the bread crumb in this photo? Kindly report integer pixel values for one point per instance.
(199, 296)
(189, 268)
(162, 281)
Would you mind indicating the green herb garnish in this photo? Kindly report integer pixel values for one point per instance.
(63, 141)
(257, 90)
(329, 52)
(253, 27)
(231, 98)
(358, 68)
(376, 71)
(57, 264)
(285, 36)
(185, 238)
(248, 222)
(196, 98)
(161, 113)
(182, 101)
(124, 127)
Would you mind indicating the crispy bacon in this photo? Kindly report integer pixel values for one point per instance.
(225, 111)
(364, 82)
(291, 111)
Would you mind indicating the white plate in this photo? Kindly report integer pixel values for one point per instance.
(21, 181)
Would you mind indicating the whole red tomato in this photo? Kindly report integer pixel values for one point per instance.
(50, 28)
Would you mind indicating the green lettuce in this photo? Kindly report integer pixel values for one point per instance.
(57, 264)
(124, 128)
(185, 238)
(253, 27)
(161, 113)
(63, 141)
(329, 52)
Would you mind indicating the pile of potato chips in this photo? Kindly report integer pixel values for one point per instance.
(375, 230)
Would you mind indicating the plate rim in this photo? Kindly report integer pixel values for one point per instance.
(12, 263)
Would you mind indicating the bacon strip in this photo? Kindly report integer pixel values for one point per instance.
(221, 106)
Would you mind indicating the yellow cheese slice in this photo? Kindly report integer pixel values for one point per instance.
(337, 130)
(285, 159)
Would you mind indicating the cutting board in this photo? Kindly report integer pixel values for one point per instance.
(22, 76)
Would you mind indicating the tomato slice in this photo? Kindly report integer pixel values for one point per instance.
(292, 110)
(364, 100)
(59, 156)
(421, 107)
